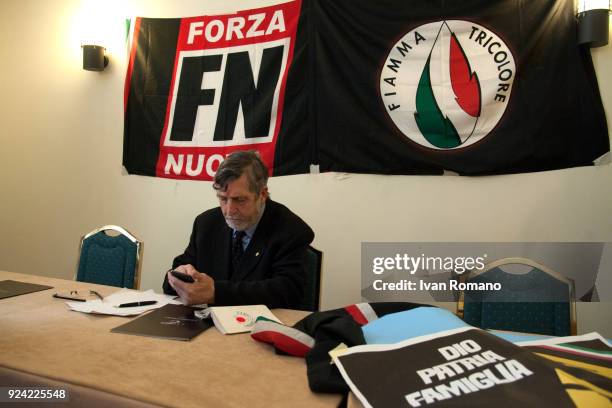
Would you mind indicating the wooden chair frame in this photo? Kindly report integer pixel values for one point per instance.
(128, 235)
(521, 261)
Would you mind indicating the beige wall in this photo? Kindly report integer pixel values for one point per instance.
(61, 151)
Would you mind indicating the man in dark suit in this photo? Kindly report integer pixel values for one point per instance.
(249, 250)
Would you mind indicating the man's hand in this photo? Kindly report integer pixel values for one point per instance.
(202, 290)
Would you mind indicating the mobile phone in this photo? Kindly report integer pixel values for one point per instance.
(182, 276)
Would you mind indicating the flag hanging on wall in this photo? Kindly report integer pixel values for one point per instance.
(200, 88)
(388, 87)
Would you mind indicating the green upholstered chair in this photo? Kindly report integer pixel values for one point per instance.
(314, 260)
(110, 255)
(539, 301)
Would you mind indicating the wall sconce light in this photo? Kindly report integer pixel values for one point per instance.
(593, 22)
(94, 58)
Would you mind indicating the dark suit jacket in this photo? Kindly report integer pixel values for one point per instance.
(272, 268)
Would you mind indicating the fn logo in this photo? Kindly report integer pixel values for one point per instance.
(226, 96)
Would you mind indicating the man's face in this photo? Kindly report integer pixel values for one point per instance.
(240, 206)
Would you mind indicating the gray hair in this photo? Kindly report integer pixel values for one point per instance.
(236, 164)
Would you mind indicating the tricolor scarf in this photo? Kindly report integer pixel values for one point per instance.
(318, 333)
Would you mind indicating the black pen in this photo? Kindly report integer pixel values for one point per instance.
(136, 304)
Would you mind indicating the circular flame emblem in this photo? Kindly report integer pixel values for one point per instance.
(446, 85)
(244, 319)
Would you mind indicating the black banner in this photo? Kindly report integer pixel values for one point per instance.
(475, 87)
(465, 368)
(391, 87)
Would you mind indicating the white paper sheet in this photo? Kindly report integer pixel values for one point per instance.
(107, 306)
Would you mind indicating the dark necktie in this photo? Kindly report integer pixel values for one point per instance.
(237, 250)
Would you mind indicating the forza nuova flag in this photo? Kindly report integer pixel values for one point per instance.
(200, 88)
(474, 87)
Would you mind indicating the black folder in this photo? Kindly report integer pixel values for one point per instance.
(10, 288)
(175, 322)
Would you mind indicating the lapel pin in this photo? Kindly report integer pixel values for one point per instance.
(256, 253)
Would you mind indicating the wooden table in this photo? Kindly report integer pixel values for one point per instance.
(42, 342)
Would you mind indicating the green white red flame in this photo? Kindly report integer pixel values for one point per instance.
(435, 126)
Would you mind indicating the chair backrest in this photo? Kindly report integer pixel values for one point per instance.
(540, 301)
(112, 260)
(314, 260)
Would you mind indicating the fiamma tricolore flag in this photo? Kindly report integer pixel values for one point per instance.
(393, 87)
